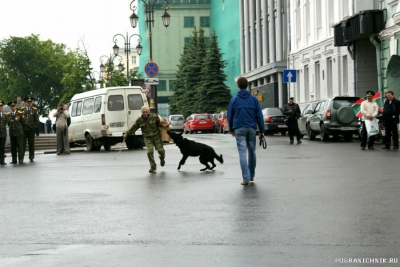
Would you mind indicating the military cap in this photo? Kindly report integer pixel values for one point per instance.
(29, 99)
(370, 93)
(1, 103)
(12, 103)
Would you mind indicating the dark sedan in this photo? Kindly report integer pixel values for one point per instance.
(274, 121)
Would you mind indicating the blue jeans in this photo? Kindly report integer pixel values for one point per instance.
(246, 144)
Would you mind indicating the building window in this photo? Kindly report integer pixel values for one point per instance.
(162, 85)
(205, 22)
(171, 85)
(134, 60)
(188, 41)
(188, 22)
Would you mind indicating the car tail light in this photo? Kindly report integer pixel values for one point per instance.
(269, 119)
(103, 119)
(328, 114)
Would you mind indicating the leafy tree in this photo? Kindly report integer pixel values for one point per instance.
(213, 95)
(42, 69)
(135, 74)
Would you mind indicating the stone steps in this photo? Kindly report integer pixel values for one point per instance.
(42, 142)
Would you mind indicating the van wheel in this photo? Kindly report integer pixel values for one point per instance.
(72, 145)
(107, 146)
(283, 133)
(90, 144)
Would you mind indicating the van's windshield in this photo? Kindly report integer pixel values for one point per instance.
(115, 103)
(135, 102)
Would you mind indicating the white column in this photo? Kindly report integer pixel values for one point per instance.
(280, 88)
(251, 35)
(279, 31)
(246, 36)
(257, 26)
(242, 38)
(271, 31)
(265, 37)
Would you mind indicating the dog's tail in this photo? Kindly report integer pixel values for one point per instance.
(219, 158)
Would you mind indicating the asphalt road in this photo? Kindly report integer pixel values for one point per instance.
(314, 204)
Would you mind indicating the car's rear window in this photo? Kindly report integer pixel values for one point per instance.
(338, 103)
(274, 112)
(176, 118)
(204, 117)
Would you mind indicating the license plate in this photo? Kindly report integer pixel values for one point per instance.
(117, 124)
(203, 122)
(348, 128)
(282, 126)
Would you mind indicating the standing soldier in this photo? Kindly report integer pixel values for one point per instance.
(19, 103)
(3, 133)
(31, 119)
(16, 131)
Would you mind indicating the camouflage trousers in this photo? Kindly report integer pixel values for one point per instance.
(151, 142)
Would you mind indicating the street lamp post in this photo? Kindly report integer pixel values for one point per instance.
(110, 68)
(149, 11)
(93, 79)
(127, 49)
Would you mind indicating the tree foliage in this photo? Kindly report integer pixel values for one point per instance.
(42, 69)
(199, 85)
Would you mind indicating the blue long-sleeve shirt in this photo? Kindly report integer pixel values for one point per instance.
(245, 111)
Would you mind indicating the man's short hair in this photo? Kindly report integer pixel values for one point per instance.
(389, 92)
(144, 108)
(242, 82)
(291, 98)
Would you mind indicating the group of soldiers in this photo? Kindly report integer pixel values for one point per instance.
(22, 120)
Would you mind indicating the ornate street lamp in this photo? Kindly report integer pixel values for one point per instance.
(127, 48)
(110, 68)
(149, 11)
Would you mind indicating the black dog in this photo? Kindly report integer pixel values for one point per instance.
(194, 149)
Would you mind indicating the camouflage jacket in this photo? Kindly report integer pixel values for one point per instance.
(150, 126)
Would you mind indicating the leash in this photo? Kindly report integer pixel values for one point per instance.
(263, 142)
(120, 149)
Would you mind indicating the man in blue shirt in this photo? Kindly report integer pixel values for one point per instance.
(244, 114)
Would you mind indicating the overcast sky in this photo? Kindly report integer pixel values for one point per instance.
(93, 21)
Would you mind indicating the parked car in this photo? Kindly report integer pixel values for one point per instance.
(214, 117)
(199, 122)
(223, 126)
(274, 121)
(176, 123)
(333, 116)
(305, 117)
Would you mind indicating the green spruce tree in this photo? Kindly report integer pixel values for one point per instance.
(213, 94)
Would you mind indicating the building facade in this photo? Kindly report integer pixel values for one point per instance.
(168, 43)
(264, 48)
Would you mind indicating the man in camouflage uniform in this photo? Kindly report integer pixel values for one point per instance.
(3, 133)
(30, 125)
(16, 120)
(150, 125)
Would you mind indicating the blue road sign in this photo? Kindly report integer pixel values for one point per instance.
(289, 76)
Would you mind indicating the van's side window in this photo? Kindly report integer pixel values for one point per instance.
(88, 106)
(97, 104)
(115, 103)
(76, 109)
(135, 102)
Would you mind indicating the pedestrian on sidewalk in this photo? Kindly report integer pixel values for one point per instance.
(292, 112)
(369, 109)
(391, 111)
(150, 125)
(61, 116)
(3, 133)
(244, 114)
(48, 125)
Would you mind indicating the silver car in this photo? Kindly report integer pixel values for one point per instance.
(176, 123)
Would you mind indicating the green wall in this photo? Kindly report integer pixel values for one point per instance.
(225, 20)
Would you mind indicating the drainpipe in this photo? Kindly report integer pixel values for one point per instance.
(378, 61)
